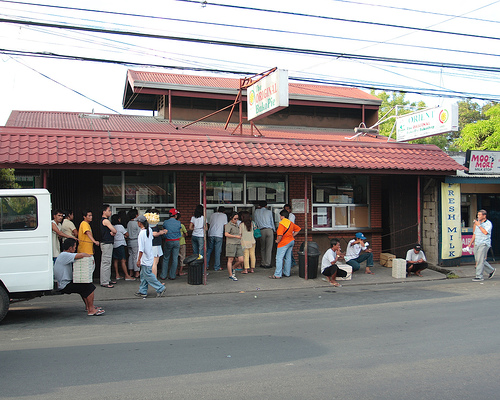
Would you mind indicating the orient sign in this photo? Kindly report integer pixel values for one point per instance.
(268, 95)
(429, 122)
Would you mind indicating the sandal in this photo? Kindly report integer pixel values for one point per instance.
(109, 286)
(274, 277)
(251, 271)
(369, 272)
(336, 284)
(244, 272)
(97, 313)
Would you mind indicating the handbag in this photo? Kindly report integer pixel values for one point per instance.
(256, 232)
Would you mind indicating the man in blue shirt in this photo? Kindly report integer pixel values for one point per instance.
(172, 245)
(482, 240)
(264, 220)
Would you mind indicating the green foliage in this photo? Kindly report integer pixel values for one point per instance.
(390, 100)
(8, 179)
(483, 134)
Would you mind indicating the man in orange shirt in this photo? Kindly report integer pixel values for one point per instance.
(286, 232)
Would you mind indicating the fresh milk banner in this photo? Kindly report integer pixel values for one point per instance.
(451, 234)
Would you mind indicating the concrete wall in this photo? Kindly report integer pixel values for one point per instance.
(430, 223)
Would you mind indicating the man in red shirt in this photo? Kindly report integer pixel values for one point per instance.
(286, 232)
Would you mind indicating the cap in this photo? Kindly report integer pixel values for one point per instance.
(173, 212)
(359, 235)
(417, 247)
(141, 218)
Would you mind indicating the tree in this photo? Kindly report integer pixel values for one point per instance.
(483, 134)
(389, 102)
(8, 179)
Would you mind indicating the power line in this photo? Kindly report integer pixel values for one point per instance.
(372, 23)
(323, 81)
(64, 86)
(417, 11)
(321, 53)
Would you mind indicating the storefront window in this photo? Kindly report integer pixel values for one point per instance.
(225, 189)
(340, 202)
(238, 192)
(138, 188)
(270, 188)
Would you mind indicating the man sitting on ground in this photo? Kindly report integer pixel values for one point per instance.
(415, 261)
(329, 267)
(63, 274)
(353, 255)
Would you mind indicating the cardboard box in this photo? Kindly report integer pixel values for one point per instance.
(347, 268)
(386, 259)
(398, 268)
(83, 269)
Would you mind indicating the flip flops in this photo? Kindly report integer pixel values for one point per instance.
(100, 311)
(109, 286)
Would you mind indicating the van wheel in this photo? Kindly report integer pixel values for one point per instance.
(4, 303)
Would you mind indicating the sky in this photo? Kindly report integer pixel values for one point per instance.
(434, 50)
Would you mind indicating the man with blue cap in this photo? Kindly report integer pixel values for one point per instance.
(353, 255)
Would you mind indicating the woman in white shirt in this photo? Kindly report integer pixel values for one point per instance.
(196, 225)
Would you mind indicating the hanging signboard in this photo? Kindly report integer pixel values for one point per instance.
(451, 234)
(483, 162)
(267, 96)
(429, 122)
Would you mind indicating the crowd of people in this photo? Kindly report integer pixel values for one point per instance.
(133, 248)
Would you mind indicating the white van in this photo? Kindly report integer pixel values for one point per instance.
(26, 269)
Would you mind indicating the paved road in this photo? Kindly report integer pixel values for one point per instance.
(424, 340)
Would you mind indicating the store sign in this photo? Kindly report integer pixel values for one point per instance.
(429, 122)
(267, 96)
(451, 234)
(483, 162)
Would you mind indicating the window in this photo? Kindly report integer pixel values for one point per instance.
(18, 213)
(135, 188)
(340, 202)
(242, 191)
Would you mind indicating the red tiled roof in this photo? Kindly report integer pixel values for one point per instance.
(35, 147)
(151, 79)
(134, 123)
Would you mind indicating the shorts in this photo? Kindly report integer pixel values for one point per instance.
(157, 251)
(329, 271)
(234, 250)
(83, 289)
(119, 253)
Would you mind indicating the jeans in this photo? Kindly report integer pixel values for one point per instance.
(214, 244)
(355, 262)
(172, 248)
(147, 278)
(197, 244)
(480, 255)
(107, 253)
(284, 253)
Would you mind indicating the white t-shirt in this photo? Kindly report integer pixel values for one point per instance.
(291, 217)
(146, 247)
(217, 222)
(411, 256)
(198, 226)
(329, 257)
(353, 250)
(120, 236)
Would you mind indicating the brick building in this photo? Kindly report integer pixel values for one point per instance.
(305, 155)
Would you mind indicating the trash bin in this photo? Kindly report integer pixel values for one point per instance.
(313, 254)
(195, 269)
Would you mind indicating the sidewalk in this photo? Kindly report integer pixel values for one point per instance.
(218, 282)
